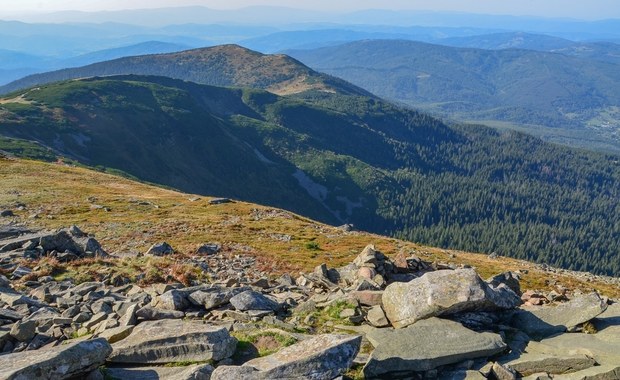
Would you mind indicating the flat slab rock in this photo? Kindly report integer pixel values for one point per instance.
(171, 340)
(192, 372)
(60, 362)
(542, 322)
(426, 345)
(440, 293)
(323, 357)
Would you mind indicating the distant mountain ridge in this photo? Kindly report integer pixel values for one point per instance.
(224, 65)
(562, 98)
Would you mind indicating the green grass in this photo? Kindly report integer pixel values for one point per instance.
(265, 342)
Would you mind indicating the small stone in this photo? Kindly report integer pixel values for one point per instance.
(503, 373)
(24, 331)
(376, 317)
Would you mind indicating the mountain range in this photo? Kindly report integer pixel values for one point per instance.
(561, 98)
(327, 149)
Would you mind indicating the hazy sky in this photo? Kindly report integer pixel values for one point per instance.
(581, 9)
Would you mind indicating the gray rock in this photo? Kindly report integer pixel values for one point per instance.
(10, 315)
(603, 347)
(441, 293)
(95, 320)
(367, 297)
(541, 322)
(193, 372)
(503, 373)
(24, 331)
(71, 312)
(173, 300)
(427, 345)
(208, 249)
(213, 298)
(169, 341)
(129, 318)
(82, 317)
(150, 313)
(6, 213)
(116, 334)
(60, 362)
(160, 249)
(63, 241)
(4, 282)
(320, 357)
(461, 375)
(510, 279)
(219, 201)
(529, 364)
(376, 317)
(251, 300)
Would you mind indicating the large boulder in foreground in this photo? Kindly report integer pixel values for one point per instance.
(171, 340)
(323, 357)
(441, 293)
(60, 362)
(426, 345)
(542, 322)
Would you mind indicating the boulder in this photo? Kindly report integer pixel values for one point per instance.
(603, 347)
(427, 345)
(173, 300)
(60, 362)
(214, 297)
(170, 340)
(441, 293)
(541, 322)
(251, 300)
(160, 249)
(320, 357)
(192, 372)
(208, 249)
(510, 279)
(150, 313)
(24, 331)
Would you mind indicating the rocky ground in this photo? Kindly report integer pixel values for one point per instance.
(377, 317)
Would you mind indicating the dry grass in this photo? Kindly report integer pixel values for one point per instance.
(140, 215)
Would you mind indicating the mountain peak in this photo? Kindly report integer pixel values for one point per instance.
(224, 65)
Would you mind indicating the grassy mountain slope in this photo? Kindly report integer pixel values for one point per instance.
(139, 215)
(225, 65)
(563, 99)
(338, 158)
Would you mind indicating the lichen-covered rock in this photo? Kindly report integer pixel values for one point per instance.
(60, 362)
(426, 345)
(251, 300)
(323, 357)
(440, 293)
(541, 322)
(170, 340)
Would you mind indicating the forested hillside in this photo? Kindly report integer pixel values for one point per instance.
(564, 99)
(336, 157)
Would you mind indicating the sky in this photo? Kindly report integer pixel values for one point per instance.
(578, 9)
